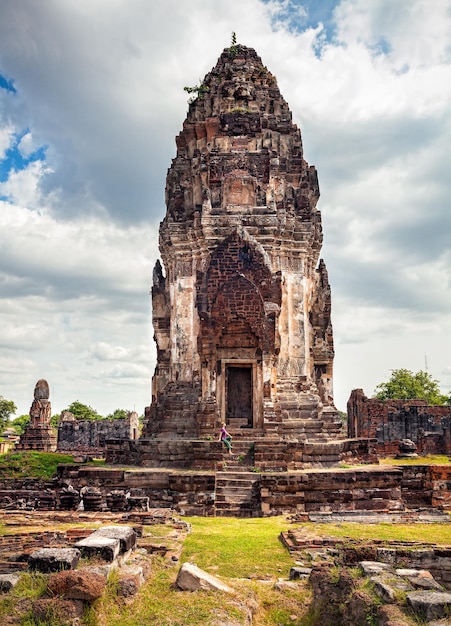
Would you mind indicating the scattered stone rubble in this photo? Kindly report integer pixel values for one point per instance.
(404, 578)
(414, 577)
(71, 586)
(192, 578)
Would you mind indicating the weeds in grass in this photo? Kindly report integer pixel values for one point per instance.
(30, 587)
(158, 602)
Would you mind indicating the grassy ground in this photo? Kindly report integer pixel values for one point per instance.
(31, 464)
(239, 548)
(436, 533)
(435, 459)
(245, 554)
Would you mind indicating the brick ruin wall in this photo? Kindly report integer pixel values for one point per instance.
(390, 421)
(89, 437)
(259, 455)
(380, 489)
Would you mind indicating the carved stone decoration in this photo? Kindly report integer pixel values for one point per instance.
(39, 434)
(241, 302)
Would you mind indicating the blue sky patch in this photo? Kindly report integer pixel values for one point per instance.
(7, 84)
(16, 160)
(303, 14)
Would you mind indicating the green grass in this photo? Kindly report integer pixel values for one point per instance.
(242, 548)
(435, 533)
(240, 553)
(29, 587)
(433, 459)
(32, 464)
(160, 603)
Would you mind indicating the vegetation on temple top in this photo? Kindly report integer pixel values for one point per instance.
(198, 91)
(407, 385)
(233, 50)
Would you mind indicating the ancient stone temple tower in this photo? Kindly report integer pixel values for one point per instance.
(241, 301)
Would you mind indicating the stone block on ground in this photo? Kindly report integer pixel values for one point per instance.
(106, 548)
(373, 567)
(104, 569)
(130, 580)
(8, 582)
(192, 578)
(125, 534)
(281, 585)
(297, 572)
(48, 560)
(429, 605)
(420, 578)
(383, 590)
(77, 585)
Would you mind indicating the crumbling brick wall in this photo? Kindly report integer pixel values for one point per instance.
(389, 421)
(89, 437)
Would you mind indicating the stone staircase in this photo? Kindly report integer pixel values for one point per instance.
(242, 457)
(237, 494)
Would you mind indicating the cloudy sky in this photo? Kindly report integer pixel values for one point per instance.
(91, 99)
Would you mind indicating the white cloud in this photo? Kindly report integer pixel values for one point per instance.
(27, 145)
(24, 186)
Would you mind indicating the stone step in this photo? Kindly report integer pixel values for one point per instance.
(238, 512)
(244, 493)
(237, 494)
(238, 475)
(227, 500)
(235, 483)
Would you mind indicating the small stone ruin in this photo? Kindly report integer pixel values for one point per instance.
(389, 423)
(39, 435)
(88, 438)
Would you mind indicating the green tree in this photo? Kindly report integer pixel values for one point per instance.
(118, 414)
(407, 385)
(20, 423)
(83, 411)
(54, 420)
(7, 408)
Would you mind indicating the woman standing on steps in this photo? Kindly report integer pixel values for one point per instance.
(226, 438)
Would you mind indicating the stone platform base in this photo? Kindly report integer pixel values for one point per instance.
(259, 493)
(42, 439)
(259, 452)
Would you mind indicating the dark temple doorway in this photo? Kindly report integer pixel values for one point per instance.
(239, 397)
